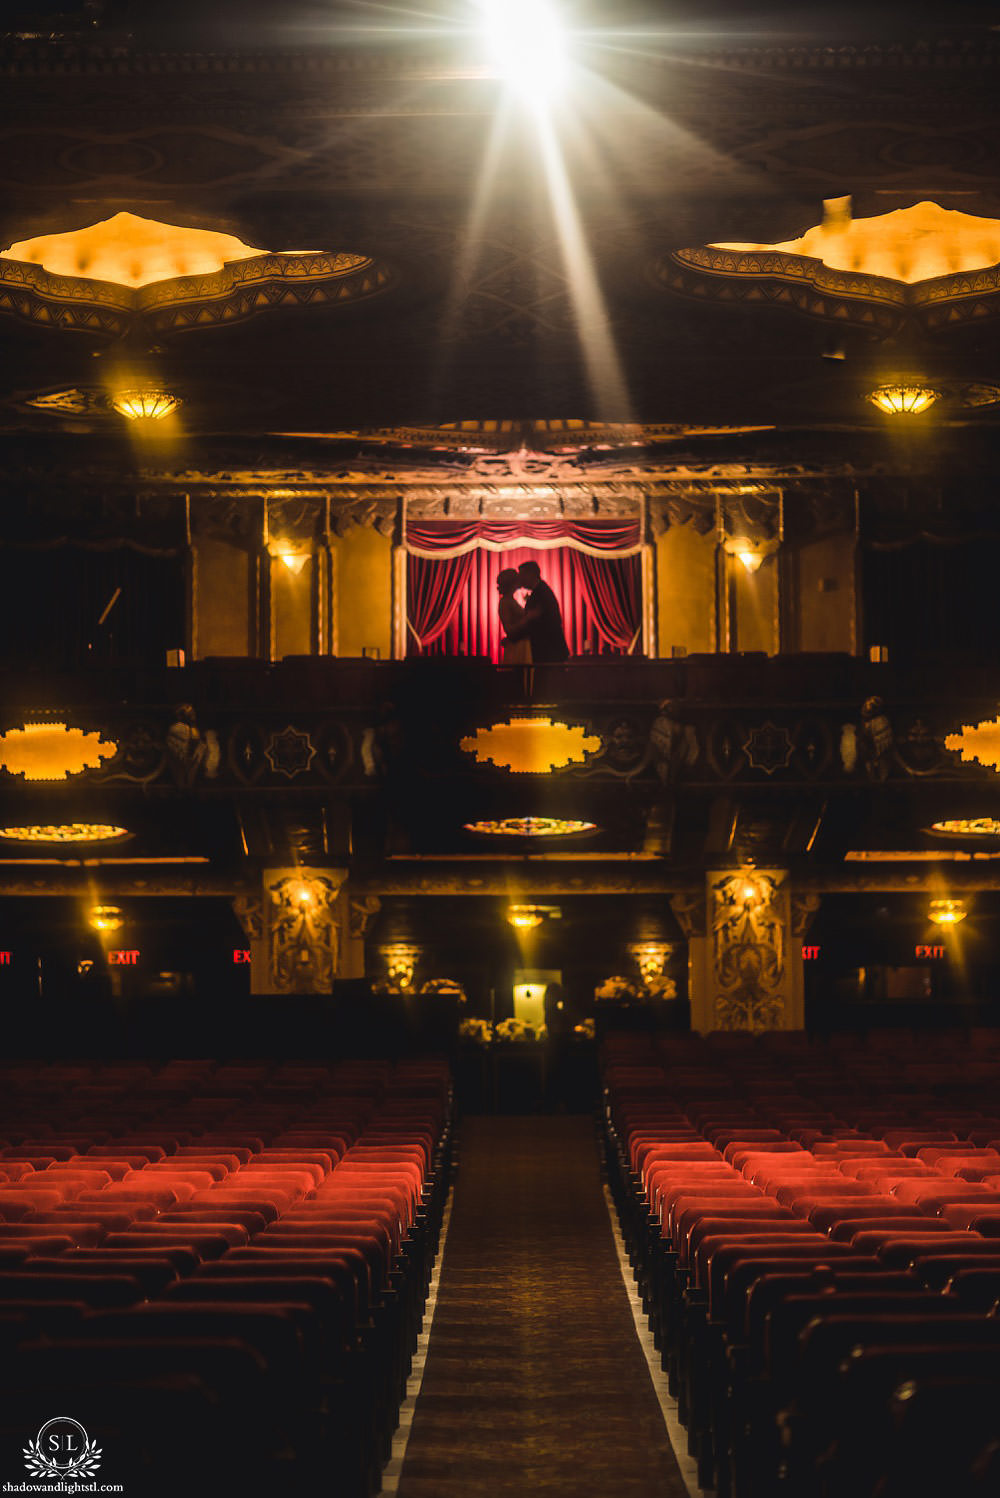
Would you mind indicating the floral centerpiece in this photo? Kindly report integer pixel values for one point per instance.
(620, 990)
(479, 1031)
(518, 1029)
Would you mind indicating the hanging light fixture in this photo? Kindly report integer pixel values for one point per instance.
(903, 400)
(145, 404)
(524, 917)
(947, 912)
(105, 918)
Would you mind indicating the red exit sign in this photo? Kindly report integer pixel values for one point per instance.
(5, 959)
(123, 957)
(932, 954)
(241, 954)
(810, 954)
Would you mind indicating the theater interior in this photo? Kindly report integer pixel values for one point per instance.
(430, 1075)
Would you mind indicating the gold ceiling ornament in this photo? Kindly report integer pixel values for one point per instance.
(53, 751)
(979, 744)
(903, 399)
(105, 919)
(144, 404)
(922, 260)
(109, 275)
(66, 832)
(919, 243)
(532, 746)
(967, 827)
(947, 912)
(129, 250)
(530, 827)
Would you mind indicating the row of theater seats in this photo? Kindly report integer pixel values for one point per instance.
(219, 1271)
(816, 1236)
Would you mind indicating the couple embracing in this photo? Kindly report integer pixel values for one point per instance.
(533, 634)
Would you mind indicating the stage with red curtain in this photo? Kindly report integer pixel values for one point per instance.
(594, 570)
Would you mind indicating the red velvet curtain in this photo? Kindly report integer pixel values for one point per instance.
(434, 592)
(600, 601)
(445, 535)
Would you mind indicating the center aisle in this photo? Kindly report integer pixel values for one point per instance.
(535, 1382)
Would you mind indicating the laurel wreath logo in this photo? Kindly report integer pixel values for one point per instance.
(84, 1465)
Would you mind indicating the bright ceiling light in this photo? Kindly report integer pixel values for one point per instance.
(65, 832)
(528, 47)
(903, 400)
(946, 912)
(105, 918)
(144, 405)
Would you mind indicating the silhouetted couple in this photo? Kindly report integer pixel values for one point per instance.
(533, 634)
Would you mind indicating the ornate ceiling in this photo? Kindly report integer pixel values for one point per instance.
(380, 153)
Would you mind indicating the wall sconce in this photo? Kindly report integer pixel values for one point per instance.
(750, 558)
(401, 964)
(947, 912)
(751, 554)
(105, 918)
(651, 957)
(903, 400)
(144, 405)
(291, 555)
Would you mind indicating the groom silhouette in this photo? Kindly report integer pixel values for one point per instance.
(542, 624)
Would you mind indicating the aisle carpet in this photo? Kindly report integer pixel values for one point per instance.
(535, 1383)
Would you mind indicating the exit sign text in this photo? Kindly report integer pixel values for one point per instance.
(123, 957)
(933, 954)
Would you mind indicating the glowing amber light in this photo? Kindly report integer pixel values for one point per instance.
(105, 918)
(52, 751)
(946, 912)
(750, 558)
(524, 917)
(66, 832)
(144, 405)
(530, 827)
(968, 827)
(981, 743)
(531, 746)
(903, 400)
(909, 244)
(132, 251)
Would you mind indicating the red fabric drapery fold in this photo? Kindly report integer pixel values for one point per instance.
(446, 535)
(600, 603)
(434, 592)
(613, 596)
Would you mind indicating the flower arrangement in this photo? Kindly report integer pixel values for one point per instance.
(478, 1031)
(620, 990)
(515, 1029)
